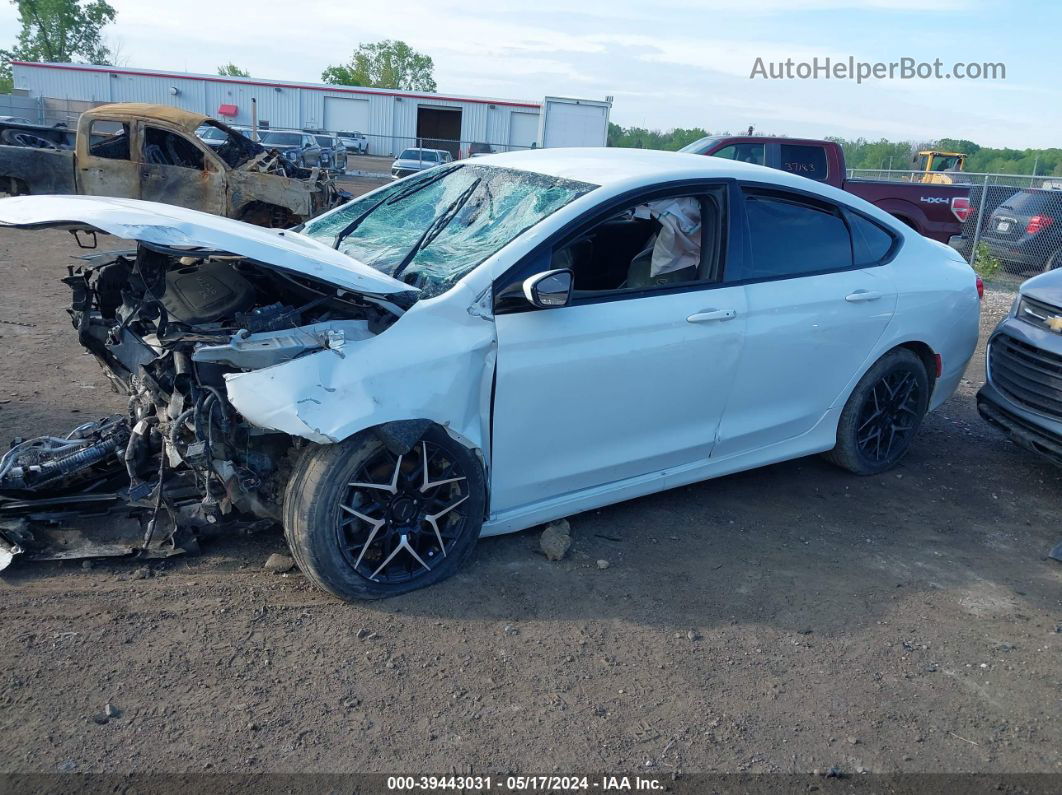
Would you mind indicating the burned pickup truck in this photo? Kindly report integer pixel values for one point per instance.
(152, 152)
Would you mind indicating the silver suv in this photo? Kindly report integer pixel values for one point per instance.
(415, 159)
(1022, 395)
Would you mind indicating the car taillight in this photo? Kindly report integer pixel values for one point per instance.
(980, 287)
(960, 208)
(940, 361)
(1038, 223)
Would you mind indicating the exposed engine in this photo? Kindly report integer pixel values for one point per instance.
(167, 325)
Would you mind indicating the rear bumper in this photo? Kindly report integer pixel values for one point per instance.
(1007, 251)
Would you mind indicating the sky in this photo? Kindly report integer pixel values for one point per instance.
(666, 63)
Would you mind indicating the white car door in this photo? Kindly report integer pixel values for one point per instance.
(620, 383)
(820, 294)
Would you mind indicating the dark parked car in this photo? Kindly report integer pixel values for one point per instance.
(333, 152)
(299, 147)
(1025, 231)
(1022, 395)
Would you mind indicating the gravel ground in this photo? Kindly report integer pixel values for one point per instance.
(787, 619)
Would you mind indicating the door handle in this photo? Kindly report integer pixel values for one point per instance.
(862, 296)
(710, 315)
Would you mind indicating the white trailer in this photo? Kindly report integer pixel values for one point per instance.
(564, 121)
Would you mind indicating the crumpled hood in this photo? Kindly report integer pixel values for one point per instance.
(168, 225)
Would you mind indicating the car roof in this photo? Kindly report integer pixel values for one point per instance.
(614, 165)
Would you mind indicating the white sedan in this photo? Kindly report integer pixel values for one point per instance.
(494, 344)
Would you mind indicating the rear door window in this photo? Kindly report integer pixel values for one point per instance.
(805, 161)
(793, 236)
(743, 153)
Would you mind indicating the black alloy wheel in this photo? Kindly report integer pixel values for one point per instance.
(399, 514)
(365, 522)
(883, 414)
(889, 415)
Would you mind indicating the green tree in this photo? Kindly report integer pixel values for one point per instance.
(58, 31)
(881, 154)
(384, 64)
(639, 138)
(232, 70)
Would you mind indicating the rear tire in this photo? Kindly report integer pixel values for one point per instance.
(882, 414)
(364, 523)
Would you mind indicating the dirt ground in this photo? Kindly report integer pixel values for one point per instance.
(787, 619)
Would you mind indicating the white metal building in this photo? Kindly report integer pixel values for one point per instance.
(392, 120)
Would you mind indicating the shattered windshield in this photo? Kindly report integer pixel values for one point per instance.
(451, 219)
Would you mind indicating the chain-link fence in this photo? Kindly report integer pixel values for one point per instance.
(363, 154)
(44, 110)
(1016, 221)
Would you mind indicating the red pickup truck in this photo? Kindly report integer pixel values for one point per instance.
(936, 211)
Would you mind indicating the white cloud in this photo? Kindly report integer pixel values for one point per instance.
(667, 63)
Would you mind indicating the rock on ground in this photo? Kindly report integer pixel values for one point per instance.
(556, 539)
(278, 564)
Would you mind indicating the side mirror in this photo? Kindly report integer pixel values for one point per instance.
(549, 289)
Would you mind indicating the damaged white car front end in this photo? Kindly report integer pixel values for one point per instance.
(245, 353)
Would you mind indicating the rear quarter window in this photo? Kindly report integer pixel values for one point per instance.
(871, 243)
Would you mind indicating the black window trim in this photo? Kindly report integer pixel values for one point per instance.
(509, 284)
(810, 198)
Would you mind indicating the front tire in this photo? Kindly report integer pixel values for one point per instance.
(882, 414)
(365, 523)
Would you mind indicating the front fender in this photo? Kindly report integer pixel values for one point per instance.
(247, 187)
(435, 363)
